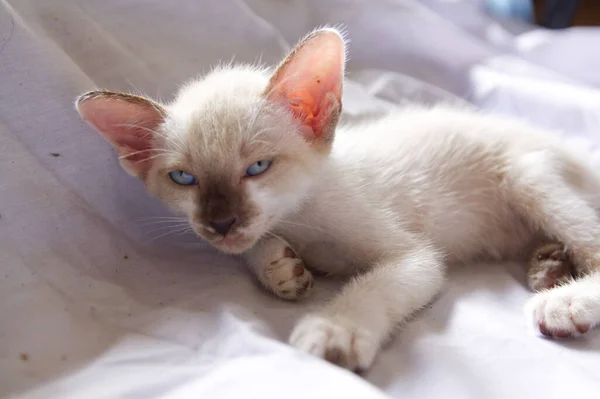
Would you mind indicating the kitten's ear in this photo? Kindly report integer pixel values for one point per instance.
(127, 122)
(309, 83)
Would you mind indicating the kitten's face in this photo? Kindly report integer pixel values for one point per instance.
(249, 165)
(236, 150)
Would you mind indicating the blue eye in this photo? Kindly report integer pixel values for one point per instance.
(258, 167)
(182, 178)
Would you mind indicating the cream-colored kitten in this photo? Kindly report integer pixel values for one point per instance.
(249, 156)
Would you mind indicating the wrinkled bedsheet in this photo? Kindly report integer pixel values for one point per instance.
(99, 298)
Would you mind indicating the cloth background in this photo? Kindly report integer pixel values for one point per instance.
(97, 302)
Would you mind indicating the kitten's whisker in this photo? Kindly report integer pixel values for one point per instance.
(254, 118)
(162, 228)
(263, 142)
(149, 150)
(152, 131)
(261, 131)
(158, 150)
(189, 230)
(163, 222)
(149, 222)
(277, 237)
(172, 135)
(149, 158)
(174, 222)
(239, 124)
(147, 129)
(177, 231)
(254, 138)
(163, 217)
(307, 226)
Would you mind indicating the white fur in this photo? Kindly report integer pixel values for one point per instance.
(395, 200)
(399, 192)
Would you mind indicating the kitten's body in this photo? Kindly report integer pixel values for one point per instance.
(440, 174)
(394, 199)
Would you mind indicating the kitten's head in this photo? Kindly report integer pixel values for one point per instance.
(237, 149)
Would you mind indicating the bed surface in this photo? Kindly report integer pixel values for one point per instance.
(98, 300)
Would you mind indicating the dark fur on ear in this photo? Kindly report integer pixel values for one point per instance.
(131, 98)
(127, 122)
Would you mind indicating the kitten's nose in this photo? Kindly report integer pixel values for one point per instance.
(223, 226)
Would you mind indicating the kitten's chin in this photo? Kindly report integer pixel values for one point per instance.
(234, 244)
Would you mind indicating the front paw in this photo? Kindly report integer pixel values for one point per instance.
(288, 278)
(340, 342)
(567, 311)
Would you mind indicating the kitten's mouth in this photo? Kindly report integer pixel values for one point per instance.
(230, 239)
(235, 242)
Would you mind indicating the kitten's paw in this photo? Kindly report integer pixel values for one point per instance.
(288, 278)
(549, 266)
(338, 341)
(566, 311)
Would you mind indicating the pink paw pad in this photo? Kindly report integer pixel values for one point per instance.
(562, 333)
(560, 319)
(558, 333)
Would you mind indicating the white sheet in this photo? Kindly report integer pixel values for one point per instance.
(95, 303)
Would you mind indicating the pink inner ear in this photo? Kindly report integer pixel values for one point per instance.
(126, 122)
(310, 80)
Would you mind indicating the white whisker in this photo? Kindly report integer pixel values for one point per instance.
(172, 232)
(163, 217)
(158, 150)
(307, 226)
(168, 138)
(162, 222)
(149, 158)
(276, 236)
(162, 228)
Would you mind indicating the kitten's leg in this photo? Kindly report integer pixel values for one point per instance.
(276, 266)
(543, 197)
(350, 330)
(549, 266)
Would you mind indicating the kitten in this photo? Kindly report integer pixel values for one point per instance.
(249, 156)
